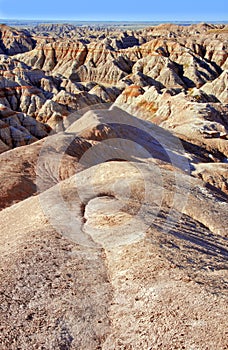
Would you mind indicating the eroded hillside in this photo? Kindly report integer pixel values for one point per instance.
(113, 172)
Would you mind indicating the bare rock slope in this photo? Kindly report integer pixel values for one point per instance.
(113, 186)
(121, 254)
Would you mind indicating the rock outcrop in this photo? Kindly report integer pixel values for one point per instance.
(113, 186)
(218, 88)
(18, 129)
(13, 41)
(104, 244)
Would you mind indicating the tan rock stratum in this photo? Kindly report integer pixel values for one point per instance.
(113, 187)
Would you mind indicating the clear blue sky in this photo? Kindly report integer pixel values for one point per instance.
(144, 10)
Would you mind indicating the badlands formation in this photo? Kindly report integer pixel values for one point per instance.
(113, 169)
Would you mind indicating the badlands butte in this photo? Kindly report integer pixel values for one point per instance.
(113, 185)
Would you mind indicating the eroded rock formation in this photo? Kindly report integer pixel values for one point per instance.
(113, 185)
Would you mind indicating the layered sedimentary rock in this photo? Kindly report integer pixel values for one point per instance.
(57, 158)
(13, 41)
(116, 243)
(165, 57)
(218, 88)
(18, 129)
(113, 185)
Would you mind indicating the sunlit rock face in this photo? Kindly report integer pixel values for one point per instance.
(113, 186)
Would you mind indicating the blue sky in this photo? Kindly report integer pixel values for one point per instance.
(144, 10)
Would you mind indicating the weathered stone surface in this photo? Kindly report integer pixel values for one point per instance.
(189, 115)
(13, 41)
(110, 279)
(218, 88)
(216, 174)
(50, 161)
(113, 229)
(18, 129)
